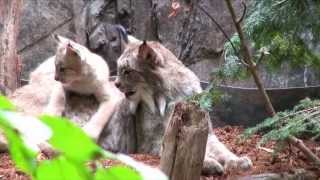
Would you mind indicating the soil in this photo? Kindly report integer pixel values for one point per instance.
(289, 160)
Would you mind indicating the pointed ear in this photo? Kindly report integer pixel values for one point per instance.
(148, 55)
(57, 38)
(71, 51)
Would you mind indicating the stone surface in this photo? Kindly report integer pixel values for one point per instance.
(246, 107)
(191, 35)
(39, 20)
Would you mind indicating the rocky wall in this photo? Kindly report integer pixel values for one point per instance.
(191, 35)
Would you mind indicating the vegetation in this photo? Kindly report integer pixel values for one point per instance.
(288, 30)
(74, 150)
(302, 121)
(208, 98)
(249, 61)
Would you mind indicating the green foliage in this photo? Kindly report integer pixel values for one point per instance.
(61, 168)
(5, 104)
(115, 173)
(302, 120)
(24, 158)
(67, 136)
(232, 68)
(288, 29)
(207, 99)
(74, 149)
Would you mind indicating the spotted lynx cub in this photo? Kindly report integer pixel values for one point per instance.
(80, 71)
(149, 73)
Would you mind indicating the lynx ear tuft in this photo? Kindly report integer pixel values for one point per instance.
(56, 37)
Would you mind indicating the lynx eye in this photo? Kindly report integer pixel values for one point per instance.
(62, 69)
(126, 72)
(113, 38)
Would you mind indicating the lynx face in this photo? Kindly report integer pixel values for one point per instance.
(137, 69)
(108, 41)
(130, 81)
(137, 74)
(155, 74)
(67, 63)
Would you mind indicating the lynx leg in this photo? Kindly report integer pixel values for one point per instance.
(231, 162)
(57, 101)
(96, 124)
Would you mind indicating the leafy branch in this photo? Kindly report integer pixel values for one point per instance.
(289, 133)
(302, 121)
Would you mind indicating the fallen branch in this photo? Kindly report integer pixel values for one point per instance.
(266, 149)
(300, 145)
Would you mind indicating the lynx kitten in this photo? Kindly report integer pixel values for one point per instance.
(80, 71)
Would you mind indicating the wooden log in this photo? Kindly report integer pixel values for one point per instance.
(184, 142)
(9, 59)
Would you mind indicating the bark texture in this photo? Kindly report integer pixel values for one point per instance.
(184, 142)
(9, 60)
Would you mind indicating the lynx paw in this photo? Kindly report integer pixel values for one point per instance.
(245, 163)
(211, 167)
(240, 164)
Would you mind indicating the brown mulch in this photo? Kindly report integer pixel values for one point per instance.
(288, 160)
(7, 170)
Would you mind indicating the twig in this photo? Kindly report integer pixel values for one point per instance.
(249, 61)
(266, 149)
(279, 3)
(223, 32)
(243, 12)
(218, 25)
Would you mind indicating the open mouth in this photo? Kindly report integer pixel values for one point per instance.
(129, 93)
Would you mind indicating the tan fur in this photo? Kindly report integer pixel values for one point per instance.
(150, 73)
(80, 71)
(168, 81)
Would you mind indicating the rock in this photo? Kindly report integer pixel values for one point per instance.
(39, 20)
(191, 35)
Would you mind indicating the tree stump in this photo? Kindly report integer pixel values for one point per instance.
(9, 59)
(184, 142)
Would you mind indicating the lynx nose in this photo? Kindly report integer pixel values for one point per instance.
(117, 84)
(56, 78)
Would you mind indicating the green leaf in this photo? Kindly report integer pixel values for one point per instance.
(117, 173)
(70, 140)
(5, 104)
(61, 169)
(24, 158)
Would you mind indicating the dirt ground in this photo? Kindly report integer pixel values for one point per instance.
(263, 162)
